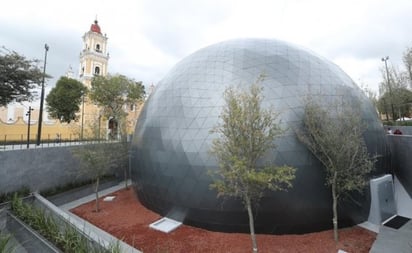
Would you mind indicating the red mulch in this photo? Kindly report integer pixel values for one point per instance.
(127, 219)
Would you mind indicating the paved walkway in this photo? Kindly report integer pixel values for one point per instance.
(393, 240)
(94, 232)
(396, 240)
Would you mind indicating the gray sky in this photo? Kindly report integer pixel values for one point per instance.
(147, 37)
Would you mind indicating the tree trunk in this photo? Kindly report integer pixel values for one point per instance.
(125, 179)
(96, 191)
(251, 225)
(335, 208)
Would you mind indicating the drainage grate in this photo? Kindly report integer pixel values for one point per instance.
(396, 222)
(165, 225)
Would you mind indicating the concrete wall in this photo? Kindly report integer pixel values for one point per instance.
(39, 169)
(401, 158)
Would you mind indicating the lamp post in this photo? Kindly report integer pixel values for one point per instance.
(28, 125)
(81, 132)
(385, 59)
(46, 48)
(100, 118)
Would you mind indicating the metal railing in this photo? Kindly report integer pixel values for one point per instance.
(18, 142)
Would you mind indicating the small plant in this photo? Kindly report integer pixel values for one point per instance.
(114, 247)
(5, 244)
(65, 237)
(5, 197)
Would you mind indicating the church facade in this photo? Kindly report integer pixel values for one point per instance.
(90, 124)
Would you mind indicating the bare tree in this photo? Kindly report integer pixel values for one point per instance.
(246, 134)
(334, 136)
(407, 61)
(97, 161)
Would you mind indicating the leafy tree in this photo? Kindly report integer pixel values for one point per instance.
(334, 136)
(97, 161)
(63, 101)
(394, 80)
(112, 93)
(402, 103)
(246, 134)
(18, 76)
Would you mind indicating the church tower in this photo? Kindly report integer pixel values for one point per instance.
(93, 61)
(94, 56)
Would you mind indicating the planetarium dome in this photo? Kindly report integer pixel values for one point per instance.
(172, 139)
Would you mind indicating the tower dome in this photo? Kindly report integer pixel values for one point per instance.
(95, 27)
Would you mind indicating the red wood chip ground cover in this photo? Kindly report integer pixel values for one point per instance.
(127, 219)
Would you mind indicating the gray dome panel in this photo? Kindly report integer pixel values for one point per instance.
(170, 148)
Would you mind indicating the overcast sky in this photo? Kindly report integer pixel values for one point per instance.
(147, 37)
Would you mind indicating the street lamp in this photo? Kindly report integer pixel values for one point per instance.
(100, 119)
(46, 47)
(28, 125)
(385, 59)
(81, 132)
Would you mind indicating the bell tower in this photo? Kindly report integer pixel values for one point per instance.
(94, 56)
(93, 61)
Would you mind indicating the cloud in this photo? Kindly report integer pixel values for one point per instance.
(146, 38)
(177, 28)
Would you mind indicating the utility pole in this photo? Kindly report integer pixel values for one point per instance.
(81, 132)
(28, 125)
(385, 59)
(46, 48)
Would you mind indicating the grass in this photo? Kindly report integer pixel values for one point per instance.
(5, 244)
(5, 197)
(63, 235)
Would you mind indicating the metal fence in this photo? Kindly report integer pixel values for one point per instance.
(16, 142)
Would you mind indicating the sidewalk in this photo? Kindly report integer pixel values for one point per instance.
(96, 233)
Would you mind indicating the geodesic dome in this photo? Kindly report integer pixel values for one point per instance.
(170, 147)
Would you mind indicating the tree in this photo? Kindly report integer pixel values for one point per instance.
(402, 103)
(369, 93)
(112, 93)
(246, 134)
(407, 60)
(63, 101)
(18, 76)
(334, 136)
(394, 80)
(97, 161)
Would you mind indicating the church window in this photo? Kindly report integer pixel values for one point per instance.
(98, 48)
(97, 71)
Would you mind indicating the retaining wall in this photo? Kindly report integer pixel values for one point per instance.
(41, 169)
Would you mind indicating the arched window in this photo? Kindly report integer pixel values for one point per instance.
(97, 70)
(98, 47)
(112, 128)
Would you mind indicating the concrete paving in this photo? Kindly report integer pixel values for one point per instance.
(396, 240)
(393, 240)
